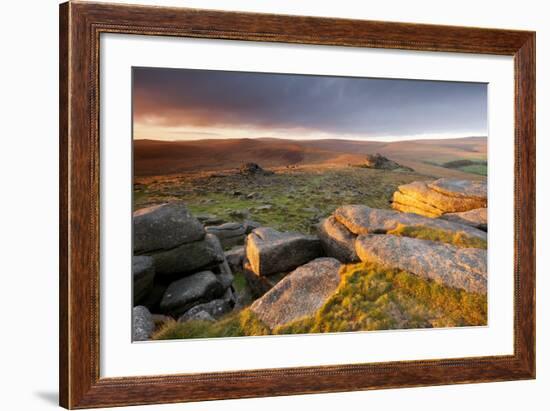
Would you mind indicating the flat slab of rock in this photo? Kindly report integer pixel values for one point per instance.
(165, 226)
(143, 272)
(411, 204)
(270, 251)
(337, 240)
(229, 234)
(360, 219)
(190, 291)
(476, 218)
(209, 219)
(441, 196)
(461, 188)
(143, 324)
(301, 293)
(189, 257)
(464, 268)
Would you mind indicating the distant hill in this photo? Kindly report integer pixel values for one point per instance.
(153, 157)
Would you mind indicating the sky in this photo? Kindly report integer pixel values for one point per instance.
(181, 104)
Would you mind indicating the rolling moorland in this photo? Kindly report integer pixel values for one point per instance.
(159, 158)
(310, 178)
(294, 186)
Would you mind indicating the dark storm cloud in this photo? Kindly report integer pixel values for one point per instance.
(340, 105)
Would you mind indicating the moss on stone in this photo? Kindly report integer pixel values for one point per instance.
(371, 298)
(368, 298)
(458, 239)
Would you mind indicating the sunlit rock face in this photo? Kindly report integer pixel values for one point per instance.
(360, 219)
(464, 268)
(301, 293)
(476, 218)
(433, 199)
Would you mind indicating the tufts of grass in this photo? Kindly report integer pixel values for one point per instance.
(239, 281)
(458, 239)
(371, 298)
(298, 198)
(236, 324)
(368, 298)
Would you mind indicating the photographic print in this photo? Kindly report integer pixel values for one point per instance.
(271, 204)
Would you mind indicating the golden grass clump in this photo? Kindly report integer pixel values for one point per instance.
(372, 298)
(458, 239)
(368, 298)
(236, 324)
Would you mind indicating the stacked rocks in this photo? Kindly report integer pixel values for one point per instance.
(229, 234)
(355, 233)
(232, 234)
(476, 218)
(445, 196)
(359, 233)
(180, 268)
(177, 265)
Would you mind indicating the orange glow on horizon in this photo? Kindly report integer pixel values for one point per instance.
(148, 131)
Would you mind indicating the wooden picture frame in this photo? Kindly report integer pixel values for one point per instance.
(80, 27)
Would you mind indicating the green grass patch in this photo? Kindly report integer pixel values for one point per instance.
(472, 166)
(368, 298)
(237, 324)
(458, 239)
(480, 169)
(371, 298)
(139, 196)
(298, 198)
(239, 281)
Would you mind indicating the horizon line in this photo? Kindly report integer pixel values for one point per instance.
(375, 140)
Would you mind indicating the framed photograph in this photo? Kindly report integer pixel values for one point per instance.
(260, 205)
